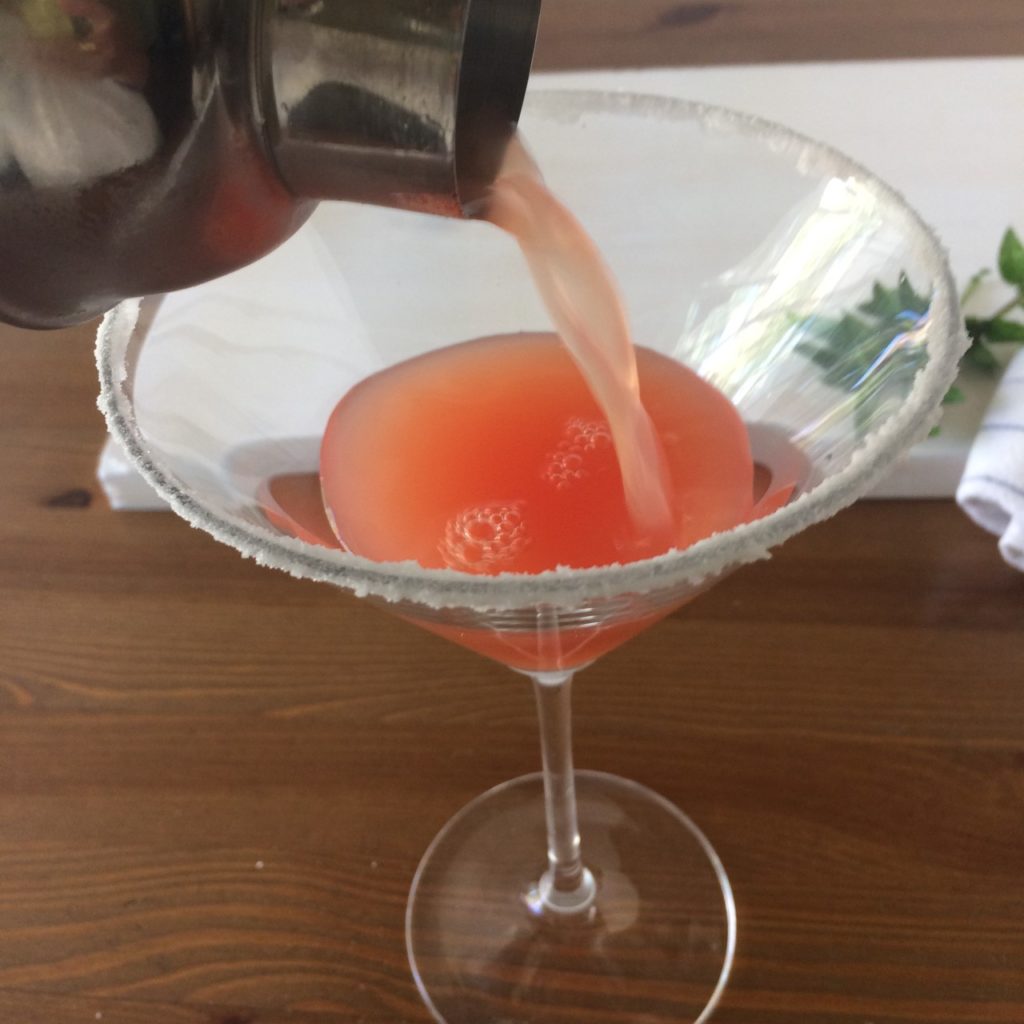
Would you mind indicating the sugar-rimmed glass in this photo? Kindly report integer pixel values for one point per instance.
(745, 251)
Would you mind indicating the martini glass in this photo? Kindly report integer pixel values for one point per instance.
(779, 270)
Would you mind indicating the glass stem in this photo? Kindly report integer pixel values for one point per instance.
(567, 887)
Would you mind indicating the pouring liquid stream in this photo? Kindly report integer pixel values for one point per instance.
(584, 303)
(504, 454)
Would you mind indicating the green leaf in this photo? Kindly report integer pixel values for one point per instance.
(977, 328)
(884, 302)
(1005, 330)
(980, 356)
(825, 358)
(909, 299)
(954, 396)
(1011, 258)
(973, 285)
(841, 333)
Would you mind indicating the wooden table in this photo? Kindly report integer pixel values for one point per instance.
(216, 781)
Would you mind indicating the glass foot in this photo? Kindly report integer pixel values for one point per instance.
(655, 944)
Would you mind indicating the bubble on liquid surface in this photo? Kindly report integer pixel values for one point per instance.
(485, 538)
(571, 461)
(590, 435)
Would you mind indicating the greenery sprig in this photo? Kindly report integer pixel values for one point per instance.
(849, 348)
(999, 327)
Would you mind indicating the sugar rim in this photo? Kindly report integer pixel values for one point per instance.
(573, 588)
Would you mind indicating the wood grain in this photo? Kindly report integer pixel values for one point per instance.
(216, 781)
(651, 33)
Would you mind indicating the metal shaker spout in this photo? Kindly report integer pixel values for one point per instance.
(402, 103)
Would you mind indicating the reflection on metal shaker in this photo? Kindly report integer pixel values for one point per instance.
(148, 145)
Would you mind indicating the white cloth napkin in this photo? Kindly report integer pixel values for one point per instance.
(991, 491)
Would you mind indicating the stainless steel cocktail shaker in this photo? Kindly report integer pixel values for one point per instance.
(147, 145)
